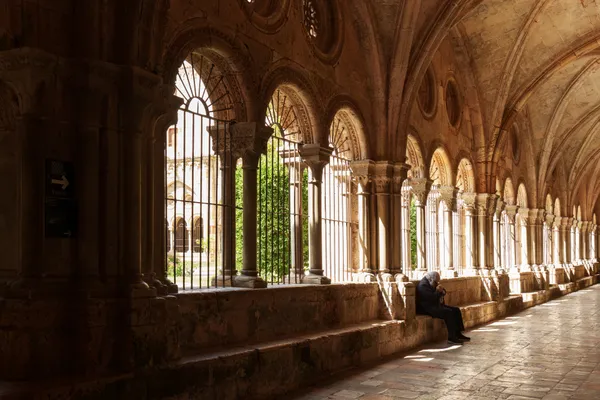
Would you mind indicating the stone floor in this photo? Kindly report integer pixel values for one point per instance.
(547, 352)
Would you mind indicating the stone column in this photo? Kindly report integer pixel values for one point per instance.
(556, 242)
(225, 144)
(573, 244)
(448, 196)
(471, 257)
(498, 236)
(584, 240)
(397, 238)
(420, 190)
(297, 255)
(251, 142)
(486, 207)
(524, 239)
(316, 157)
(362, 172)
(382, 177)
(511, 214)
(536, 239)
(405, 234)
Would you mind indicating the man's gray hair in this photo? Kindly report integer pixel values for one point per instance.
(433, 277)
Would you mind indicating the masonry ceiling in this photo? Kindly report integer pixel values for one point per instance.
(541, 57)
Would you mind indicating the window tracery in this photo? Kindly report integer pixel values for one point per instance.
(453, 104)
(427, 95)
(311, 18)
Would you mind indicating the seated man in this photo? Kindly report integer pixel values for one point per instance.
(430, 298)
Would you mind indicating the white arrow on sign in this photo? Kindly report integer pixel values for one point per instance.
(63, 181)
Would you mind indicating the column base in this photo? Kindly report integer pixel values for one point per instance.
(418, 274)
(222, 281)
(401, 278)
(472, 271)
(449, 274)
(140, 290)
(386, 277)
(366, 277)
(251, 282)
(315, 280)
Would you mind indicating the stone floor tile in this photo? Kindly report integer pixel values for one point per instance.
(546, 352)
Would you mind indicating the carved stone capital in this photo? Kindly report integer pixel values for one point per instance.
(383, 173)
(400, 174)
(485, 204)
(499, 207)
(550, 218)
(523, 216)
(362, 172)
(468, 201)
(315, 157)
(246, 140)
(448, 194)
(420, 189)
(566, 222)
(537, 216)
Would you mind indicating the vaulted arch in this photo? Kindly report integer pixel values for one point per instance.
(440, 170)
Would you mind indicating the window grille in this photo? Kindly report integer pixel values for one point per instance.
(339, 226)
(195, 168)
(311, 20)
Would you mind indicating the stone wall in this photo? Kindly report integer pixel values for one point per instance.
(230, 316)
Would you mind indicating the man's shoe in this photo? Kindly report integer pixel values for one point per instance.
(454, 341)
(463, 337)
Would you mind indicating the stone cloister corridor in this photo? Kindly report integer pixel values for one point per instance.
(236, 199)
(549, 352)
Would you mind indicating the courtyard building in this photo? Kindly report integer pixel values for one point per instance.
(234, 199)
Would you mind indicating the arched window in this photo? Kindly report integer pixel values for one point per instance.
(283, 195)
(339, 228)
(198, 235)
(182, 238)
(196, 160)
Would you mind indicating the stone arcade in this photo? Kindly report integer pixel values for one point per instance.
(229, 199)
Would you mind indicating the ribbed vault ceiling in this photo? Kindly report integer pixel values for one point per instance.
(542, 56)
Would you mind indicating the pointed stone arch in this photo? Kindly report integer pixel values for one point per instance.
(557, 211)
(346, 134)
(549, 204)
(509, 192)
(522, 196)
(440, 170)
(465, 177)
(414, 158)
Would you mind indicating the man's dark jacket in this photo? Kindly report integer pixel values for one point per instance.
(428, 299)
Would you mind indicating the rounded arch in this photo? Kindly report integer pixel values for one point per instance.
(285, 87)
(440, 170)
(557, 211)
(465, 178)
(522, 196)
(549, 204)
(414, 158)
(342, 113)
(227, 53)
(509, 192)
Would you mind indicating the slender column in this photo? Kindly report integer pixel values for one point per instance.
(448, 195)
(556, 242)
(229, 149)
(549, 239)
(566, 225)
(362, 172)
(405, 237)
(297, 255)
(397, 238)
(251, 139)
(420, 189)
(535, 236)
(382, 177)
(471, 259)
(511, 214)
(498, 235)
(574, 244)
(316, 157)
(584, 241)
(486, 207)
(523, 239)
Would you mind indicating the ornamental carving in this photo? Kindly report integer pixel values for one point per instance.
(362, 172)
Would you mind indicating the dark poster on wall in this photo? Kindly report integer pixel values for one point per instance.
(60, 206)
